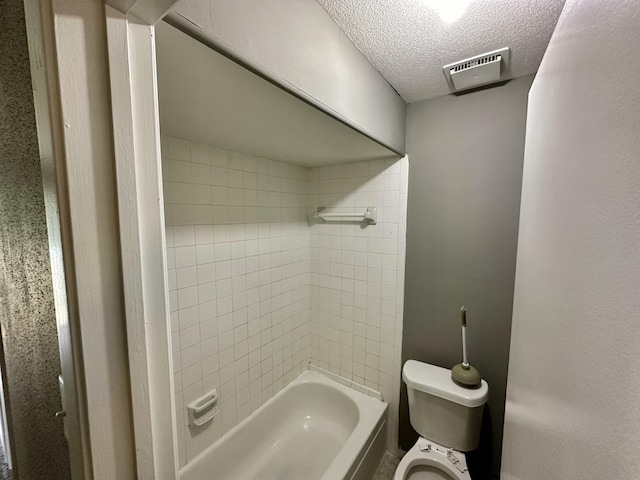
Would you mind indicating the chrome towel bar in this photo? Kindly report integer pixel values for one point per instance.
(370, 216)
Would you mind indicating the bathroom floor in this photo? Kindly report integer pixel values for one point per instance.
(386, 467)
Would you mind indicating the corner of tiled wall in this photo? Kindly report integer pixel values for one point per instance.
(357, 276)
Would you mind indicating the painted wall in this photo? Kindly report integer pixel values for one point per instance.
(357, 276)
(27, 317)
(238, 269)
(464, 195)
(299, 43)
(572, 404)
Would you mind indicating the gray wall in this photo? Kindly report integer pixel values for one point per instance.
(466, 156)
(27, 317)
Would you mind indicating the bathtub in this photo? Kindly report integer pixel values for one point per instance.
(313, 429)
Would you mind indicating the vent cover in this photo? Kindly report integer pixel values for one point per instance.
(477, 71)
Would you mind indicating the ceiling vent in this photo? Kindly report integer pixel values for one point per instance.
(477, 71)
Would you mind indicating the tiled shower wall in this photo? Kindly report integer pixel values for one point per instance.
(357, 276)
(238, 269)
(256, 292)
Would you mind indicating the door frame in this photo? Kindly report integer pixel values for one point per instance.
(136, 122)
(93, 76)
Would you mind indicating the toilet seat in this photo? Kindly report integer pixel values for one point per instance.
(428, 453)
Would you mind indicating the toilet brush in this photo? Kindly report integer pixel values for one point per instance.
(464, 374)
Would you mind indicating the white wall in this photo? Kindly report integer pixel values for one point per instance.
(238, 269)
(572, 399)
(357, 276)
(299, 43)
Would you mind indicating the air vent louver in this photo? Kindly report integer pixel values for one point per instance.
(475, 63)
(477, 71)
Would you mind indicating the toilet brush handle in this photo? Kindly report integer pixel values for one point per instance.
(463, 318)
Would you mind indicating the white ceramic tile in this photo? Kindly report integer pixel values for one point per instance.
(183, 236)
(189, 337)
(200, 153)
(185, 256)
(200, 174)
(186, 277)
(205, 254)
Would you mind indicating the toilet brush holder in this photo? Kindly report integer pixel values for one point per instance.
(464, 374)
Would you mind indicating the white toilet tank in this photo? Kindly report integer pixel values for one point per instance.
(442, 411)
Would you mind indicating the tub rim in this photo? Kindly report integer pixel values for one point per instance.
(372, 416)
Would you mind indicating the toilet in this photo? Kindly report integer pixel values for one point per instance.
(447, 417)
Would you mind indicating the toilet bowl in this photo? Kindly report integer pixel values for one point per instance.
(447, 417)
(429, 461)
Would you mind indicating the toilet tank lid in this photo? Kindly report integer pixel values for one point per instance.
(437, 381)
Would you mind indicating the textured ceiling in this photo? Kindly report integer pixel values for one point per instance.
(408, 41)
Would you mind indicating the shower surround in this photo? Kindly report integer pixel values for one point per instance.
(256, 292)
(357, 276)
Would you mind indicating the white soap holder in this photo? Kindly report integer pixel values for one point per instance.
(203, 409)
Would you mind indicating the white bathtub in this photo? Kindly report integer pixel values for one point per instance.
(314, 429)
